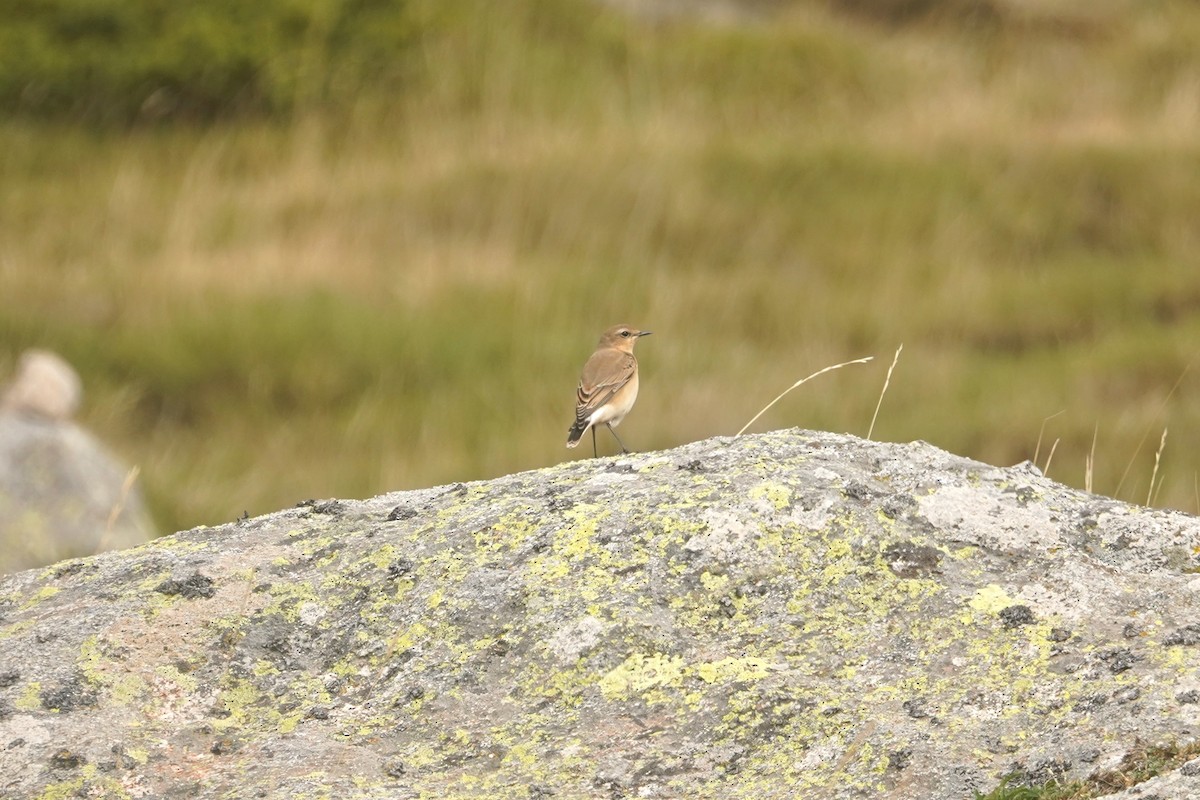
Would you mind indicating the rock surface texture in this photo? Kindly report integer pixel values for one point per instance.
(793, 614)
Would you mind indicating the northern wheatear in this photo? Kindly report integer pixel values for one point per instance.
(608, 386)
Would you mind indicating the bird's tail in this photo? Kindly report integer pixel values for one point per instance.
(576, 433)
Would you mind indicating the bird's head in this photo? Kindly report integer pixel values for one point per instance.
(621, 337)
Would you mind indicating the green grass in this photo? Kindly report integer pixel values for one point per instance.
(399, 289)
(1139, 765)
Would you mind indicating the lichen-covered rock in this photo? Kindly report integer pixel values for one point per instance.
(788, 615)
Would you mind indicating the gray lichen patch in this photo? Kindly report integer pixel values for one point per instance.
(789, 614)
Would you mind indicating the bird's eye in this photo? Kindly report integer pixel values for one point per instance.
(625, 334)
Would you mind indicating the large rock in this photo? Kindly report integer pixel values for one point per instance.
(787, 615)
(62, 494)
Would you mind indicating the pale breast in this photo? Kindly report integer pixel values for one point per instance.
(612, 412)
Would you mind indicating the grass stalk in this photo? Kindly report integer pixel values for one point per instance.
(886, 382)
(1154, 473)
(796, 384)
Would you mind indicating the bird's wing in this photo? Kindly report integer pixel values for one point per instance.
(603, 376)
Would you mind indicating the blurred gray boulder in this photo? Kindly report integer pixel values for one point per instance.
(61, 493)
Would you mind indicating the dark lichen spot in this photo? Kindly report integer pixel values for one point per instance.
(1090, 702)
(622, 467)
(695, 465)
(318, 712)
(898, 759)
(191, 588)
(559, 504)
(916, 709)
(219, 711)
(1191, 769)
(1024, 494)
(857, 490)
(223, 746)
(399, 568)
(1127, 695)
(1040, 773)
(1131, 631)
(185, 666)
(332, 507)
(1058, 635)
(1187, 635)
(9, 678)
(41, 637)
(123, 759)
(69, 695)
(1188, 698)
(399, 513)
(1118, 659)
(5, 708)
(538, 791)
(394, 769)
(324, 553)
(65, 759)
(72, 567)
(897, 505)
(1016, 616)
(911, 560)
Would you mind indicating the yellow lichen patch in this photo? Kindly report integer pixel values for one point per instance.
(382, 557)
(16, 628)
(31, 698)
(238, 699)
(406, 640)
(120, 685)
(646, 675)
(88, 783)
(44, 593)
(287, 598)
(262, 667)
(731, 669)
(990, 599)
(509, 531)
(776, 494)
(714, 583)
(310, 547)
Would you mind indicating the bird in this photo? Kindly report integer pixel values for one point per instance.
(608, 386)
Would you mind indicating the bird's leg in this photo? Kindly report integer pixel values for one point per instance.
(595, 453)
(618, 438)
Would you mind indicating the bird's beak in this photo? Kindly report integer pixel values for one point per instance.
(644, 333)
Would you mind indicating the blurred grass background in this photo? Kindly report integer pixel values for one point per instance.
(335, 248)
